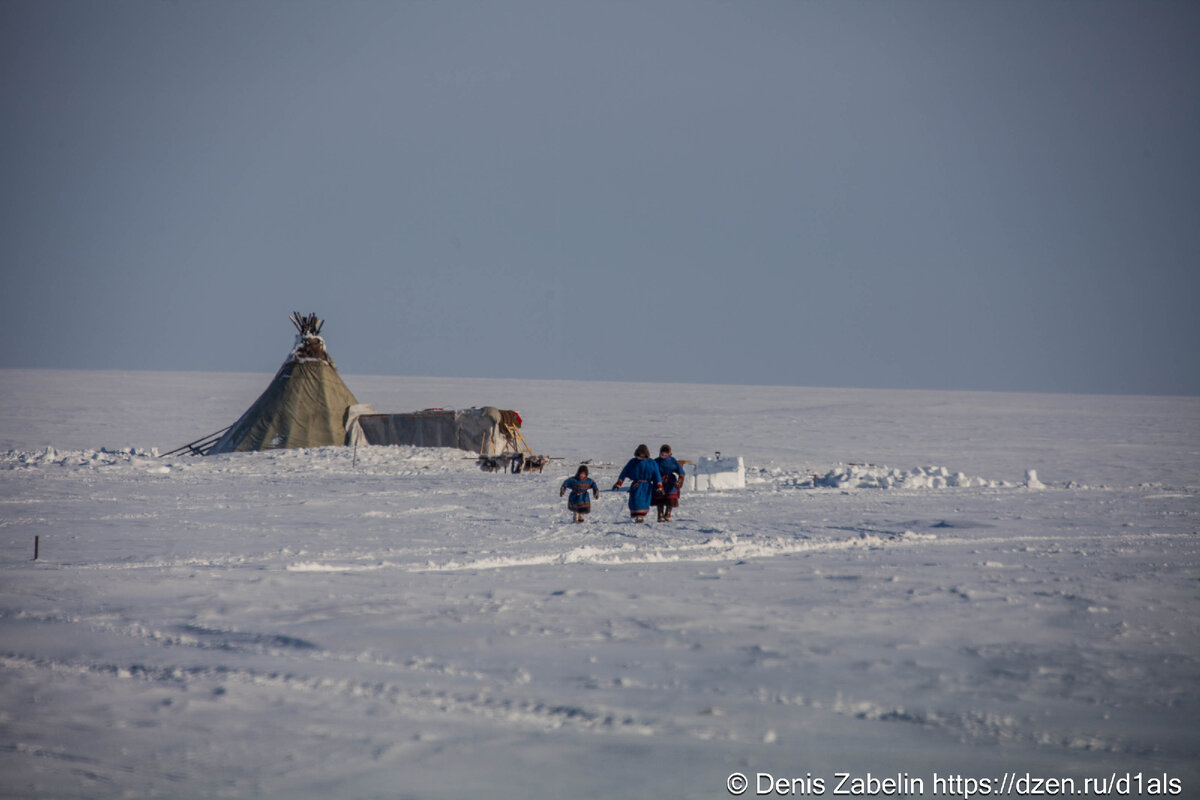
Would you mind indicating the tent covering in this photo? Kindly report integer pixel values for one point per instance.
(305, 404)
(479, 430)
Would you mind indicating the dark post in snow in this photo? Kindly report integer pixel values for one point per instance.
(35, 548)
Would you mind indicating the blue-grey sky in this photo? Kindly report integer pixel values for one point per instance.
(965, 195)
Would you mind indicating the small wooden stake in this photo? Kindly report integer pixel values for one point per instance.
(35, 548)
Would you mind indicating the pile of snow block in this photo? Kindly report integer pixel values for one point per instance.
(711, 474)
(869, 476)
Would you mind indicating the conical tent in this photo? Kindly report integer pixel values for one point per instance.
(305, 405)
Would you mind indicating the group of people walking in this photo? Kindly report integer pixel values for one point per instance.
(653, 482)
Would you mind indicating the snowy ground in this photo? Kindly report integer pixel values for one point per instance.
(297, 624)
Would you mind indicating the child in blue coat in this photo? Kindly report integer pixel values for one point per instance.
(579, 503)
(644, 473)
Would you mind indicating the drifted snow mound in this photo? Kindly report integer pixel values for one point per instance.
(869, 476)
(395, 460)
(17, 459)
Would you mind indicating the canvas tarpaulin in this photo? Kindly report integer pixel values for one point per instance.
(478, 430)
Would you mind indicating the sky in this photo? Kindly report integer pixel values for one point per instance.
(993, 195)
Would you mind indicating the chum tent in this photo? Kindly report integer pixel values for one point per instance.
(305, 405)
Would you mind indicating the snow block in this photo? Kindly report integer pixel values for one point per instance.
(714, 474)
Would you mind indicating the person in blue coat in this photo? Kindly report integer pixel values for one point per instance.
(579, 503)
(672, 481)
(645, 477)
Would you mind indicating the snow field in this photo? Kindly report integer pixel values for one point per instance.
(396, 623)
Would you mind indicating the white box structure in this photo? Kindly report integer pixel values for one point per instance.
(713, 474)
